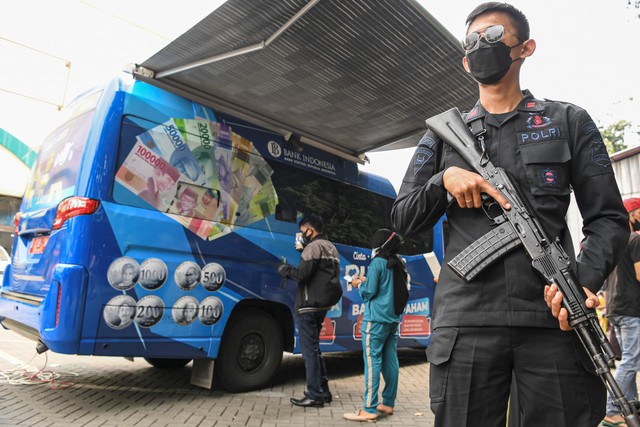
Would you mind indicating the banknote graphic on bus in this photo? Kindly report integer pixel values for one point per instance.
(200, 174)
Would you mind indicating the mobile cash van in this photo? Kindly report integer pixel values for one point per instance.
(153, 227)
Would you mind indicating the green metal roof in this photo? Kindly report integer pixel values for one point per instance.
(18, 148)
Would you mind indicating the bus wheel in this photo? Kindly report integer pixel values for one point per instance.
(250, 353)
(167, 363)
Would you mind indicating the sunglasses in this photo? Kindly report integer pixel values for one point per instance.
(491, 34)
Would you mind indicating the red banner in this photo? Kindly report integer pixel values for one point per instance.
(328, 331)
(415, 326)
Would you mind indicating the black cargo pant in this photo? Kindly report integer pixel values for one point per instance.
(309, 327)
(471, 371)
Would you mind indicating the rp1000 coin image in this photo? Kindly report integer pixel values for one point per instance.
(153, 273)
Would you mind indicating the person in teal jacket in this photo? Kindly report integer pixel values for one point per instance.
(385, 295)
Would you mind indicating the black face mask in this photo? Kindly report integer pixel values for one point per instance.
(636, 225)
(490, 61)
(306, 237)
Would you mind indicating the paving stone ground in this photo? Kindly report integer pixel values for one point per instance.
(117, 392)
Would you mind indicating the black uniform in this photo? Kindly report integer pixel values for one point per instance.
(550, 148)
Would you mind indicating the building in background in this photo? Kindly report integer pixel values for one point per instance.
(16, 159)
(626, 165)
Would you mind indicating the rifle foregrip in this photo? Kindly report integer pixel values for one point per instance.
(484, 251)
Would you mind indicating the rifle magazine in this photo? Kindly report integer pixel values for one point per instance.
(484, 251)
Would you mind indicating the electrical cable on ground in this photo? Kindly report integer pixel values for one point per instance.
(25, 374)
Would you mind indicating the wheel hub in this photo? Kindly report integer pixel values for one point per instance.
(252, 350)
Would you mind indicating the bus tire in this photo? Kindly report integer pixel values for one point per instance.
(166, 363)
(250, 353)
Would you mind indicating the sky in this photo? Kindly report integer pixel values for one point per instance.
(577, 60)
(53, 50)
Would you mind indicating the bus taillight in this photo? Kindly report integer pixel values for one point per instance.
(16, 223)
(74, 206)
(58, 303)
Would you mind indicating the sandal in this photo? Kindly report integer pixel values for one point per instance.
(384, 409)
(361, 416)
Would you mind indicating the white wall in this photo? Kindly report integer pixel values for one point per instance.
(626, 166)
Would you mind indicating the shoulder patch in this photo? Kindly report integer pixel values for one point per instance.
(589, 127)
(427, 140)
(421, 156)
(599, 153)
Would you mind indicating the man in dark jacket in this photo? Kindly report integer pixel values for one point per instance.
(498, 326)
(319, 288)
(623, 311)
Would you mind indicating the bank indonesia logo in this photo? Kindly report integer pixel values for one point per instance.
(274, 149)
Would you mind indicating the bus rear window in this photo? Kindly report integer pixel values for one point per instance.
(56, 168)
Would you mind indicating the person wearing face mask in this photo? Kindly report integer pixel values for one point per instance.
(385, 294)
(505, 324)
(623, 311)
(319, 288)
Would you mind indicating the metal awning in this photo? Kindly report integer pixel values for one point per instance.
(347, 76)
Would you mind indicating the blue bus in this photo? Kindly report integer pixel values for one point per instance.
(153, 227)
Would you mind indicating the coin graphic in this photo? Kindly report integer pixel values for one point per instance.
(213, 276)
(153, 273)
(211, 310)
(185, 310)
(123, 273)
(149, 311)
(187, 275)
(119, 311)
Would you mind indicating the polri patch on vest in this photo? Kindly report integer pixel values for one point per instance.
(540, 135)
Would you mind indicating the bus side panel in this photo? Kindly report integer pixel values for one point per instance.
(342, 326)
(140, 236)
(143, 235)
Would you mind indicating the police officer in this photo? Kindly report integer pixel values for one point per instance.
(505, 322)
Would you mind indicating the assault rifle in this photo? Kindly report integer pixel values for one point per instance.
(519, 227)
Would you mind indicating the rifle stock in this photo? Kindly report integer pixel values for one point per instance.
(450, 127)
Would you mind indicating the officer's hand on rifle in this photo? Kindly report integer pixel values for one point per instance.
(553, 298)
(467, 187)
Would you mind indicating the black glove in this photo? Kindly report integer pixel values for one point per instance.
(283, 270)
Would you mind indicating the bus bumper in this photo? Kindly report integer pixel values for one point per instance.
(56, 319)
